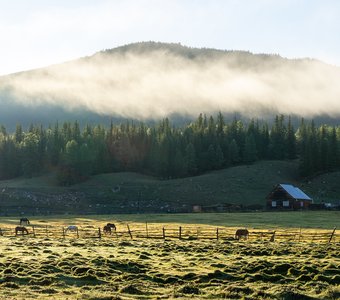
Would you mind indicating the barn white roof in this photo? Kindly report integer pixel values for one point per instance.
(295, 192)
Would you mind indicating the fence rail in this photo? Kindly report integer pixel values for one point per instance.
(156, 231)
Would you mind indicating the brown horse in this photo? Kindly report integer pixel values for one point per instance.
(21, 229)
(108, 228)
(241, 233)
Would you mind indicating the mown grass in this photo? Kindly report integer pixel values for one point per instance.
(271, 220)
(292, 219)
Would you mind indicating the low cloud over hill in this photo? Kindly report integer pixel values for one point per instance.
(154, 80)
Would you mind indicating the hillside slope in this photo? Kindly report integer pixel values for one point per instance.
(132, 193)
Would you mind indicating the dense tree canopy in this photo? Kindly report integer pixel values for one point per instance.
(163, 150)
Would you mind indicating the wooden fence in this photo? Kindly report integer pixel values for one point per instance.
(187, 232)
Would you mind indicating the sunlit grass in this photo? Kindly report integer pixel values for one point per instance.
(116, 266)
(291, 219)
(94, 269)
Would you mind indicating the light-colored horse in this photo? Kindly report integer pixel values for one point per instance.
(71, 228)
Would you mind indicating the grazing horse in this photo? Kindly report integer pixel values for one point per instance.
(24, 221)
(241, 233)
(108, 228)
(21, 229)
(72, 228)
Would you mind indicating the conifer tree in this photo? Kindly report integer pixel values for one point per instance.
(290, 140)
(191, 160)
(31, 154)
(277, 138)
(234, 152)
(250, 152)
(333, 151)
(219, 163)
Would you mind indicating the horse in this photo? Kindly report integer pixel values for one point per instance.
(108, 228)
(72, 228)
(21, 229)
(241, 233)
(24, 221)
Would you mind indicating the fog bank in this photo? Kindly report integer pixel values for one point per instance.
(160, 82)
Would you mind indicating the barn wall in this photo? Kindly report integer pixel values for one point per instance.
(297, 204)
(280, 203)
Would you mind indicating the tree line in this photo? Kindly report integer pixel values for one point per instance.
(164, 150)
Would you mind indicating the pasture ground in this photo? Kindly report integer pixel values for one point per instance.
(272, 220)
(52, 267)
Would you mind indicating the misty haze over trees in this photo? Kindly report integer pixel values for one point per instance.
(165, 151)
(151, 81)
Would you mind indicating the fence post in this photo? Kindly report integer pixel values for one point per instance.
(146, 228)
(46, 231)
(1, 234)
(77, 233)
(300, 234)
(129, 231)
(63, 233)
(33, 230)
(163, 232)
(330, 239)
(217, 233)
(180, 232)
(99, 233)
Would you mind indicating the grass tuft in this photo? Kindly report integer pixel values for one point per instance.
(192, 290)
(131, 289)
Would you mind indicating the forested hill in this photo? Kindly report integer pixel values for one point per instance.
(151, 81)
(208, 143)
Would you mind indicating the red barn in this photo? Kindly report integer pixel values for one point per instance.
(285, 196)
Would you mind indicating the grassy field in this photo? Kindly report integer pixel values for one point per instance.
(271, 220)
(118, 267)
(49, 264)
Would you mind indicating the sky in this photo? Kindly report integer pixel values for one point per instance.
(39, 33)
